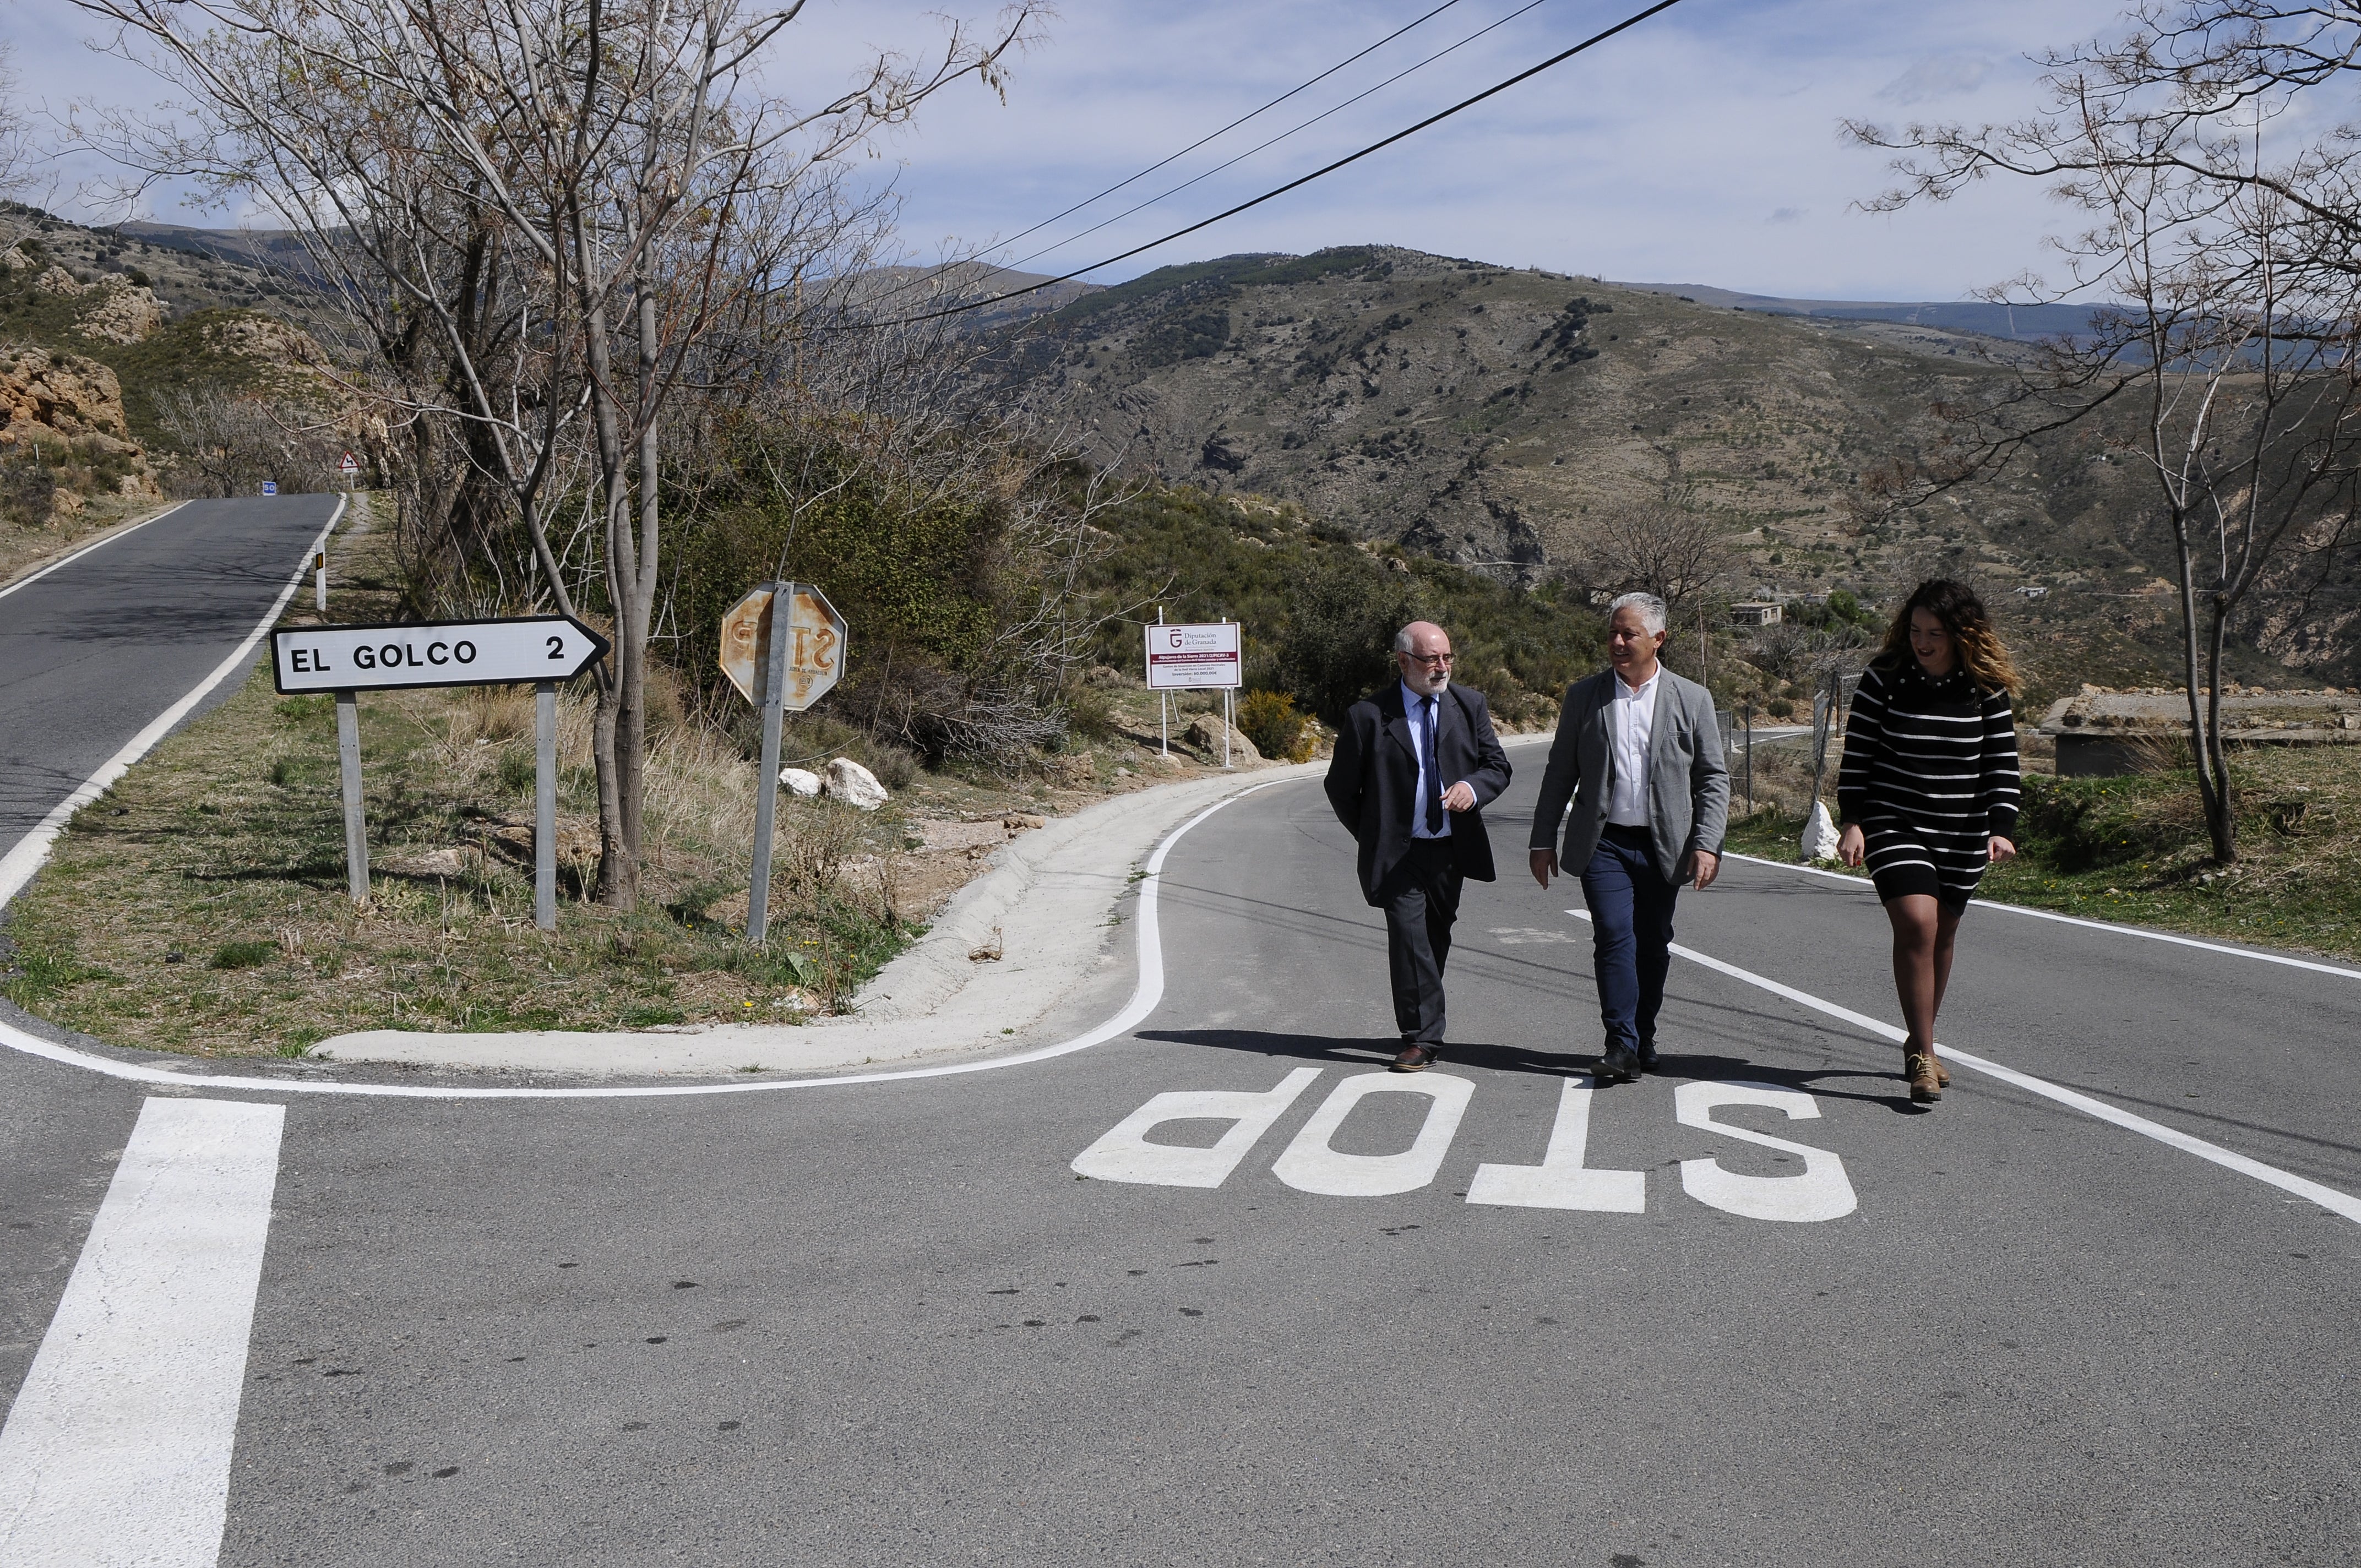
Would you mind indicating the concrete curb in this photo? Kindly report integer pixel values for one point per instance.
(1047, 905)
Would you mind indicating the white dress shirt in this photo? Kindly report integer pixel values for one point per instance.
(1633, 716)
(1414, 710)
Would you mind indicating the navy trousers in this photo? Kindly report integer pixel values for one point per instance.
(1421, 898)
(1631, 935)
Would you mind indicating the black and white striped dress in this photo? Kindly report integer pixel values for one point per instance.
(1930, 775)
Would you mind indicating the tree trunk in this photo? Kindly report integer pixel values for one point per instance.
(2204, 685)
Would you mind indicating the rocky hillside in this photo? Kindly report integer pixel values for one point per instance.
(1483, 415)
(99, 332)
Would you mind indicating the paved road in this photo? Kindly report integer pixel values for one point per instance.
(891, 1323)
(92, 652)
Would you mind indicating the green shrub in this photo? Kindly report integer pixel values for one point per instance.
(1269, 721)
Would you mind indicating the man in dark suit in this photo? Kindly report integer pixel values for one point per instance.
(1639, 755)
(1415, 764)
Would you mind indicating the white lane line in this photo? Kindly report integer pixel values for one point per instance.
(18, 866)
(1144, 999)
(2327, 1198)
(118, 1451)
(1863, 883)
(29, 579)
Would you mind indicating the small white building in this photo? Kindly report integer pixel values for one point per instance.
(1757, 612)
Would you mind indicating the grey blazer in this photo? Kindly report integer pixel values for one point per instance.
(1689, 782)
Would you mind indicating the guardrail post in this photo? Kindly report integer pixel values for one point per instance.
(348, 762)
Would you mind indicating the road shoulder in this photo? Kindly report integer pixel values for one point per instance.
(1013, 959)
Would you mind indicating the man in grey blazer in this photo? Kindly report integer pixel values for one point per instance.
(1639, 753)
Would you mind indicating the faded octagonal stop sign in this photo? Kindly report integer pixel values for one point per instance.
(816, 642)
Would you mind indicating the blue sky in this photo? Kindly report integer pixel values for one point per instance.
(1702, 147)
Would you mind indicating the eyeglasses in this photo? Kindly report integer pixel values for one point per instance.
(1429, 660)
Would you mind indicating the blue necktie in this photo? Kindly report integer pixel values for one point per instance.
(1434, 769)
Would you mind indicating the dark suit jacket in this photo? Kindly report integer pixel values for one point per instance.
(1689, 784)
(1373, 779)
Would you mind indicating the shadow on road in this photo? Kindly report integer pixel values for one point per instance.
(1696, 1067)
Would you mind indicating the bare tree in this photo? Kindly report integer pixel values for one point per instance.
(552, 217)
(1668, 547)
(2226, 365)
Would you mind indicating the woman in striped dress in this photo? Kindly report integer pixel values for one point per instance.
(1929, 792)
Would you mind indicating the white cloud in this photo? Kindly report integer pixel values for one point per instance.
(1938, 76)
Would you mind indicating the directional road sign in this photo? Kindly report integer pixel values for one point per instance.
(447, 654)
(815, 640)
(270, 487)
(349, 465)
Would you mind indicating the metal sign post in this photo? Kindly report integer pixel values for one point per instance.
(544, 806)
(766, 783)
(782, 647)
(349, 763)
(348, 660)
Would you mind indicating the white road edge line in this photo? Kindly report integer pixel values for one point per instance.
(118, 1451)
(1863, 883)
(18, 866)
(28, 580)
(1145, 997)
(2229, 1160)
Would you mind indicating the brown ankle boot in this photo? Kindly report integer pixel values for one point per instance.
(1942, 1074)
(1925, 1088)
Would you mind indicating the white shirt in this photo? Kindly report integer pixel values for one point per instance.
(1633, 717)
(1414, 708)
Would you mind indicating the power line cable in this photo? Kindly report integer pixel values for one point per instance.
(1559, 59)
(1274, 141)
(1233, 125)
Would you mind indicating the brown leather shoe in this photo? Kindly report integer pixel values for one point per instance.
(1416, 1057)
(1942, 1074)
(1920, 1070)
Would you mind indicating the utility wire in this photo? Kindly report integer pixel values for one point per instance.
(1233, 125)
(1559, 59)
(1274, 141)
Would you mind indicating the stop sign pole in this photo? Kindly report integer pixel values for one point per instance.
(767, 783)
(782, 647)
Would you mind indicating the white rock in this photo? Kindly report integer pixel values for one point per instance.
(1819, 834)
(855, 785)
(799, 780)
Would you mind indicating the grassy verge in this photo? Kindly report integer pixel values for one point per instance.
(2134, 850)
(200, 905)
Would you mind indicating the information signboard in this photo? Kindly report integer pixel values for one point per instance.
(1182, 658)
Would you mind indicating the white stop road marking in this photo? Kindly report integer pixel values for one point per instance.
(1311, 1162)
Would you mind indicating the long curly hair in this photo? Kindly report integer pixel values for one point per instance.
(1963, 614)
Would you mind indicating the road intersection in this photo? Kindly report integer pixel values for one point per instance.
(1213, 1286)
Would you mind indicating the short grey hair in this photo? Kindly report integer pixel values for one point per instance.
(1653, 613)
(1402, 639)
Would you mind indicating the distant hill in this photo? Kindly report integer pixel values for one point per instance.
(1485, 415)
(2016, 323)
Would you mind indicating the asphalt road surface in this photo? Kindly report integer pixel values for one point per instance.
(95, 651)
(1756, 1309)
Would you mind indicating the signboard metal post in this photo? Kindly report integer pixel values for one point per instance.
(349, 763)
(544, 806)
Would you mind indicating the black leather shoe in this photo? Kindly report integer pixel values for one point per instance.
(1416, 1057)
(1648, 1060)
(1617, 1065)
